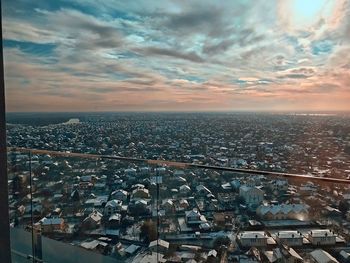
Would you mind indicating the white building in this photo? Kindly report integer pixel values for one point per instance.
(322, 237)
(251, 194)
(289, 238)
(252, 238)
(283, 211)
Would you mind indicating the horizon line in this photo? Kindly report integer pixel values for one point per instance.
(187, 111)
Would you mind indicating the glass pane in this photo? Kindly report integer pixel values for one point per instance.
(21, 208)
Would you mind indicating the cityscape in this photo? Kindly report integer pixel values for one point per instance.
(172, 131)
(139, 212)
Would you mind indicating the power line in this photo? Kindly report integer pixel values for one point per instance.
(182, 165)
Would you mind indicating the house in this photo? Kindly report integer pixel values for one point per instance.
(144, 170)
(139, 207)
(95, 245)
(279, 186)
(168, 205)
(121, 195)
(86, 181)
(49, 225)
(112, 207)
(202, 190)
(252, 195)
(321, 256)
(75, 196)
(289, 238)
(283, 254)
(130, 172)
(283, 211)
(93, 220)
(179, 173)
(194, 218)
(184, 189)
(114, 220)
(223, 219)
(130, 250)
(212, 253)
(160, 170)
(332, 212)
(96, 201)
(183, 204)
(140, 193)
(235, 184)
(322, 237)
(149, 258)
(252, 239)
(345, 256)
(159, 246)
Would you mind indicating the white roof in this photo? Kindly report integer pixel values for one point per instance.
(169, 202)
(131, 249)
(185, 188)
(96, 216)
(159, 242)
(322, 256)
(289, 234)
(321, 233)
(252, 234)
(92, 244)
(140, 190)
(115, 217)
(345, 254)
(202, 188)
(192, 213)
(114, 203)
(283, 208)
(120, 191)
(245, 188)
(149, 258)
(51, 221)
(141, 202)
(293, 253)
(212, 253)
(183, 201)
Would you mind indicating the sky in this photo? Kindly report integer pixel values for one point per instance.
(104, 55)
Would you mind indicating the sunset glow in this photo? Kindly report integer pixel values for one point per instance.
(177, 55)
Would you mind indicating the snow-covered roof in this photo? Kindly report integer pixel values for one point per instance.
(252, 234)
(289, 234)
(321, 233)
(159, 242)
(51, 221)
(283, 208)
(321, 256)
(114, 203)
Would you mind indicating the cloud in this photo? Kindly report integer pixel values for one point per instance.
(155, 55)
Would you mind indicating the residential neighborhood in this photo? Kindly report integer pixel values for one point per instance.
(144, 212)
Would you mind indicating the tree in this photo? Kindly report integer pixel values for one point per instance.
(221, 241)
(149, 231)
(343, 206)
